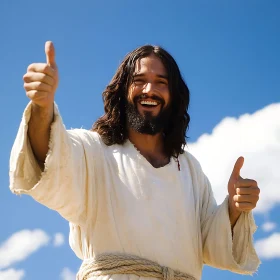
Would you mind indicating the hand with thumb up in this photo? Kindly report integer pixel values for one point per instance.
(41, 79)
(243, 193)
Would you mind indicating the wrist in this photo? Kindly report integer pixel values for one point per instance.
(43, 111)
(234, 213)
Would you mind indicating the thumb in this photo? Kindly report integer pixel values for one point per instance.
(50, 54)
(236, 169)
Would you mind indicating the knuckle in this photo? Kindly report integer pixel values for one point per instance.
(236, 198)
(254, 182)
(30, 67)
(28, 86)
(30, 94)
(25, 78)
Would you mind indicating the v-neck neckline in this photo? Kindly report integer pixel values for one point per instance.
(143, 159)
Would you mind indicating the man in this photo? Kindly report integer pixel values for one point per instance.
(137, 202)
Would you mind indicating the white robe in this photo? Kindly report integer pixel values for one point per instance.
(116, 201)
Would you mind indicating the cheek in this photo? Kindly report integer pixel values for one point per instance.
(132, 92)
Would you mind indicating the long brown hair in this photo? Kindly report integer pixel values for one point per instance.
(112, 125)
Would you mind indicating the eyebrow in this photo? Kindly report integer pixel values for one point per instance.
(142, 75)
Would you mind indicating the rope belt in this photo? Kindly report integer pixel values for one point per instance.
(114, 263)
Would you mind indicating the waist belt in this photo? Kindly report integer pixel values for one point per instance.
(116, 263)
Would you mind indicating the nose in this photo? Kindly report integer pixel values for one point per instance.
(148, 88)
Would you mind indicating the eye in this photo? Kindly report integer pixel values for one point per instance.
(138, 81)
(163, 82)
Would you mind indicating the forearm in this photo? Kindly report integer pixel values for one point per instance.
(39, 131)
(233, 216)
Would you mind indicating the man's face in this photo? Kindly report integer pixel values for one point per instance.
(148, 101)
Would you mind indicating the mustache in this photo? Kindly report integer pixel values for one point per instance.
(145, 96)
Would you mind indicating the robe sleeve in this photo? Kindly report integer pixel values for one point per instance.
(62, 186)
(220, 249)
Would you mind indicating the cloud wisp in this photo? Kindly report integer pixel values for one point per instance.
(268, 226)
(256, 137)
(269, 248)
(11, 274)
(67, 274)
(21, 245)
(58, 240)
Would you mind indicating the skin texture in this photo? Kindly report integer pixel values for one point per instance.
(41, 81)
(243, 193)
(40, 84)
(150, 78)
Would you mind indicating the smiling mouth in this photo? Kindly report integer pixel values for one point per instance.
(149, 103)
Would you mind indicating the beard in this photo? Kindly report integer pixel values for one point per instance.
(147, 123)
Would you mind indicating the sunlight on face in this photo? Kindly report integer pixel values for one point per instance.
(149, 90)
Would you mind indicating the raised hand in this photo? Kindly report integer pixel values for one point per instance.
(243, 193)
(40, 83)
(41, 79)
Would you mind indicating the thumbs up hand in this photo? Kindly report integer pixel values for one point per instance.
(41, 79)
(243, 193)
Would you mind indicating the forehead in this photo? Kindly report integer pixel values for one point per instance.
(150, 64)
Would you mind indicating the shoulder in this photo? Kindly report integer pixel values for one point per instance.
(87, 137)
(194, 166)
(196, 171)
(192, 161)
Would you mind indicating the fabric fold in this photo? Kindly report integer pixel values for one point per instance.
(61, 185)
(224, 251)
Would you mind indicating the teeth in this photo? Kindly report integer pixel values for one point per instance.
(148, 103)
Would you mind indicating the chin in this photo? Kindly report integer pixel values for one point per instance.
(148, 113)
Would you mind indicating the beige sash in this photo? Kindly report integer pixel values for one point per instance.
(116, 263)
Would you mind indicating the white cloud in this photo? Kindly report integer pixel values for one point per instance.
(257, 138)
(58, 239)
(20, 245)
(11, 274)
(67, 274)
(269, 247)
(268, 226)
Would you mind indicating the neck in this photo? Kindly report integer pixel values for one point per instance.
(148, 145)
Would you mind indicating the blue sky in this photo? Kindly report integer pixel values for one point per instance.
(228, 53)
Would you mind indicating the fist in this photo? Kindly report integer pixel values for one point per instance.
(41, 79)
(243, 193)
